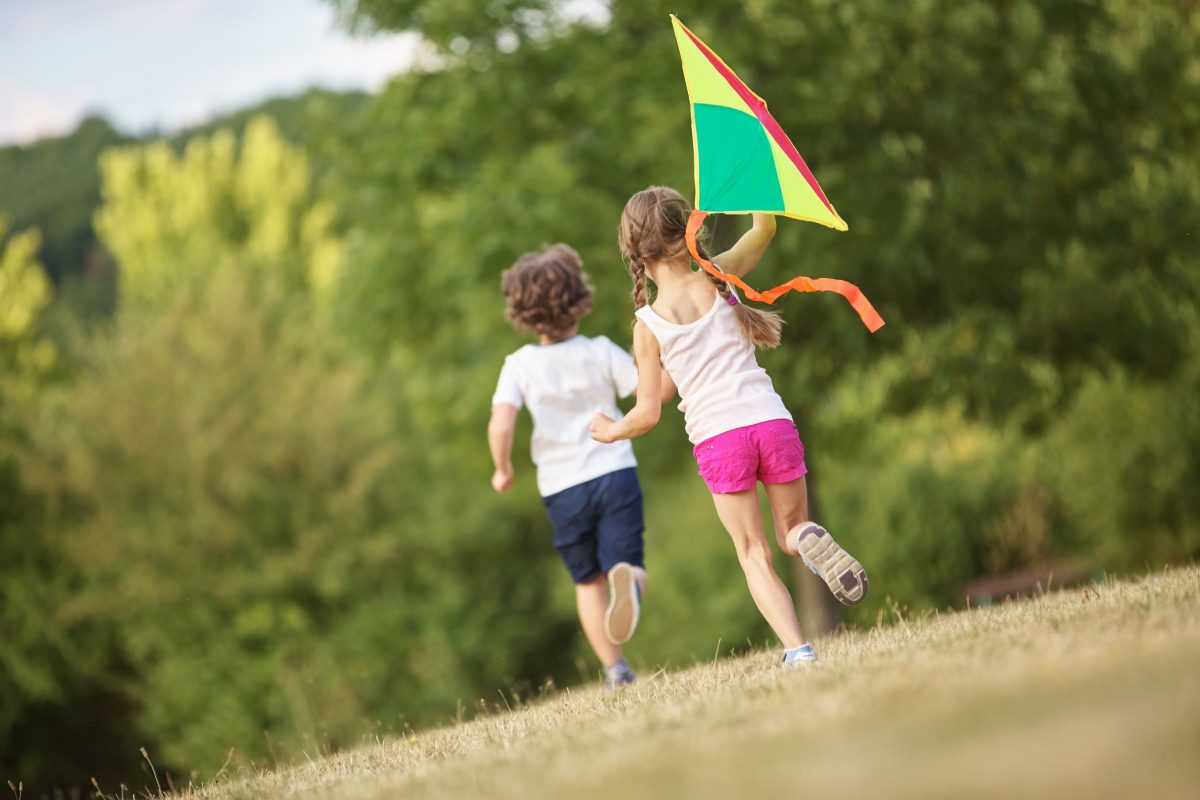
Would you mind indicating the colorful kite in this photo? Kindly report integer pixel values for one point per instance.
(746, 164)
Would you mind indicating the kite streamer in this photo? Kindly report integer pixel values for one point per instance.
(746, 164)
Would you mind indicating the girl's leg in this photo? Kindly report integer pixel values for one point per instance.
(591, 600)
(789, 507)
(740, 516)
(840, 571)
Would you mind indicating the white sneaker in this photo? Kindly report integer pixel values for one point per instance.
(618, 675)
(841, 571)
(797, 658)
(621, 618)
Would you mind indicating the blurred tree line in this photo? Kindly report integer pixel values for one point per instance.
(244, 500)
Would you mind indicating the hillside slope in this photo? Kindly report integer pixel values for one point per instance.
(1088, 692)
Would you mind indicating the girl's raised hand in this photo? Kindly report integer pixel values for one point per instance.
(747, 251)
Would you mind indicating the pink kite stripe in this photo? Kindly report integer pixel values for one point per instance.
(760, 110)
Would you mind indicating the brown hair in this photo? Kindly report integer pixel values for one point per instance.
(547, 292)
(652, 229)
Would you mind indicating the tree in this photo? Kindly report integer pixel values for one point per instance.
(237, 492)
(53, 185)
(173, 222)
(24, 294)
(459, 25)
(38, 664)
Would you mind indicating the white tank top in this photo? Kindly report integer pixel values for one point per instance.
(721, 386)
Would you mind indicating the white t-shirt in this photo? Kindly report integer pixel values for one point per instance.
(721, 386)
(564, 385)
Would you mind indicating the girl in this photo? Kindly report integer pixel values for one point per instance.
(700, 338)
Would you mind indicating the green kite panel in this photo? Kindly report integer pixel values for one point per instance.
(747, 178)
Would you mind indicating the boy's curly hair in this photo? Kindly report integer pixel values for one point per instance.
(547, 292)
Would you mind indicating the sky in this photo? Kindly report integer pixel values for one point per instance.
(168, 64)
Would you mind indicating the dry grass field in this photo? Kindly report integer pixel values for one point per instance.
(1089, 692)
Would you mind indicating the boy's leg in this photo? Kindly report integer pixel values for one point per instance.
(591, 600)
(740, 515)
(625, 586)
(574, 522)
(620, 549)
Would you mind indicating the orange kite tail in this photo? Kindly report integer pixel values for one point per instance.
(857, 300)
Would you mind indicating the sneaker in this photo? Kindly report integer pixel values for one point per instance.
(618, 675)
(841, 571)
(621, 618)
(797, 657)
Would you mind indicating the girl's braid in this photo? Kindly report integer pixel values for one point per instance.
(637, 271)
(722, 286)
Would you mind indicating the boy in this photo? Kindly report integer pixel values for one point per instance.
(590, 490)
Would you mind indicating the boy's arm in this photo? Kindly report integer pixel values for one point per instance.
(500, 438)
(646, 411)
(746, 252)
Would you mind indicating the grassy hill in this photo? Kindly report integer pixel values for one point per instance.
(1091, 692)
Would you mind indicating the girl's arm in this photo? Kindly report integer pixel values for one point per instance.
(746, 252)
(646, 411)
(668, 386)
(500, 438)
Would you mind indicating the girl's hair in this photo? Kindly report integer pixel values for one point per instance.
(547, 292)
(652, 229)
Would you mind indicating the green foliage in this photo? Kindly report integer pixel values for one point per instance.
(456, 25)
(54, 185)
(38, 660)
(246, 477)
(175, 221)
(1123, 460)
(250, 517)
(24, 293)
(929, 494)
(308, 119)
(240, 498)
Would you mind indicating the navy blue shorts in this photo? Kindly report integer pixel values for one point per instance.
(598, 524)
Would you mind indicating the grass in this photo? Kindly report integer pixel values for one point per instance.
(1089, 692)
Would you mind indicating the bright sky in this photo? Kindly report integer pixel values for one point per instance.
(171, 63)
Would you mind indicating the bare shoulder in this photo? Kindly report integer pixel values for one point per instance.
(643, 337)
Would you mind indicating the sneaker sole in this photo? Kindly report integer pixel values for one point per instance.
(842, 573)
(621, 618)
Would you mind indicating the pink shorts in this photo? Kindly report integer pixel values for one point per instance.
(736, 460)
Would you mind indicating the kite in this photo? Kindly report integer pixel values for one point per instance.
(746, 164)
